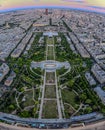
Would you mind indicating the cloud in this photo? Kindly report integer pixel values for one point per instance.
(78, 1)
(36, 0)
(97, 7)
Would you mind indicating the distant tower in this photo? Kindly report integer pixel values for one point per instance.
(7, 25)
(46, 11)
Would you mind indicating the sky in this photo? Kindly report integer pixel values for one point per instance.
(88, 5)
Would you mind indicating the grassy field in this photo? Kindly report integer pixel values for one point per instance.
(50, 77)
(68, 110)
(28, 99)
(50, 40)
(50, 110)
(69, 97)
(50, 55)
(70, 102)
(50, 91)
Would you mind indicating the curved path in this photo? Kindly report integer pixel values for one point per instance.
(96, 126)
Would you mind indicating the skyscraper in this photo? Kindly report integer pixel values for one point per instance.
(46, 11)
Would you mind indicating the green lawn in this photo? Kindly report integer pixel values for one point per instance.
(69, 97)
(50, 110)
(69, 100)
(28, 99)
(50, 55)
(50, 77)
(68, 110)
(50, 40)
(50, 91)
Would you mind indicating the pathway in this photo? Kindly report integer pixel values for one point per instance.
(50, 81)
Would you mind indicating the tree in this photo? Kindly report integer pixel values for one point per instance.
(21, 89)
(88, 110)
(25, 114)
(11, 107)
(95, 108)
(16, 70)
(71, 83)
(83, 97)
(103, 110)
(20, 62)
(88, 101)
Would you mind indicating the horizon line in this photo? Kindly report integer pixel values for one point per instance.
(50, 7)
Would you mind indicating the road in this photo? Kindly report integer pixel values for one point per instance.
(42, 99)
(96, 126)
(58, 102)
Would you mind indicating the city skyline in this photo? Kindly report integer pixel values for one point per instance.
(86, 5)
